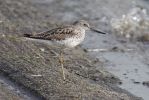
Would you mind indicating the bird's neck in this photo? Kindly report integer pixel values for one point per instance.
(78, 27)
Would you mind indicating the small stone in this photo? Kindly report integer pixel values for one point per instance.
(42, 49)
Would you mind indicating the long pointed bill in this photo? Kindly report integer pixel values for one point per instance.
(92, 29)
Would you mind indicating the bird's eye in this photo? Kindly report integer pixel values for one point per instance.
(85, 24)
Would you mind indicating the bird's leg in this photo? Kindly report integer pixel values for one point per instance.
(62, 64)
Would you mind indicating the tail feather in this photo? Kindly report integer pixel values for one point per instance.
(28, 35)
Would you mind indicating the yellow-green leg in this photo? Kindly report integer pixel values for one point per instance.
(62, 64)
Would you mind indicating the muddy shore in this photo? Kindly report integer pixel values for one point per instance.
(34, 66)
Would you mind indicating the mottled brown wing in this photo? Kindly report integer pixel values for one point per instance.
(55, 34)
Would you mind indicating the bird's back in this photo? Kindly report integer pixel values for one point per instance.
(68, 36)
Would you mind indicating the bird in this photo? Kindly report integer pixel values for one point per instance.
(67, 36)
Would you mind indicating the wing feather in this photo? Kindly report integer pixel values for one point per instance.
(55, 34)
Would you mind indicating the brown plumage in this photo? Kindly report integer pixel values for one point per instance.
(70, 35)
(55, 34)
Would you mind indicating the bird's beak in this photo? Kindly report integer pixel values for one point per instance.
(95, 30)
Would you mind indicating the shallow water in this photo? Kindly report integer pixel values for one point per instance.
(129, 69)
(130, 66)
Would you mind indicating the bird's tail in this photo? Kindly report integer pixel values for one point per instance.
(27, 35)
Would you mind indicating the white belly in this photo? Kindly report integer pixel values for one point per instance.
(73, 41)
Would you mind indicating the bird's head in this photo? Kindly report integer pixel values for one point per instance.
(85, 25)
(82, 23)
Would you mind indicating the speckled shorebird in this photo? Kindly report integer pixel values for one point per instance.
(66, 36)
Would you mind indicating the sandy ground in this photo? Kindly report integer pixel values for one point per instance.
(34, 67)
